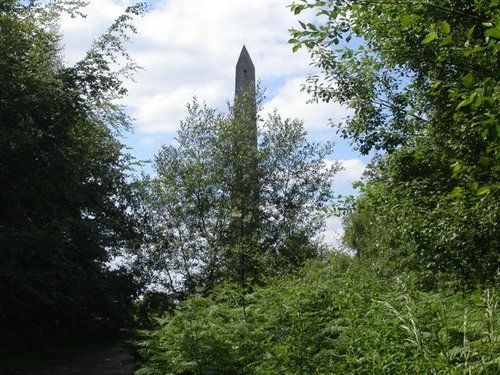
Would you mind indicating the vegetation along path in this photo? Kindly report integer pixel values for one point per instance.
(108, 361)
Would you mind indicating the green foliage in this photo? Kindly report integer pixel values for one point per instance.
(151, 305)
(335, 317)
(422, 80)
(399, 222)
(63, 189)
(209, 223)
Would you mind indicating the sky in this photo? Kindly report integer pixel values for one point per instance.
(190, 48)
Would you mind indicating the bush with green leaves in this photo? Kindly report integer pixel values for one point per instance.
(398, 221)
(335, 317)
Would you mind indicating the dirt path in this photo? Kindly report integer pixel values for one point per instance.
(109, 361)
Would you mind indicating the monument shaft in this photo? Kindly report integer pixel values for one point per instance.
(245, 195)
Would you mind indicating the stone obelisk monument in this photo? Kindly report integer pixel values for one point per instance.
(244, 95)
(245, 76)
(245, 186)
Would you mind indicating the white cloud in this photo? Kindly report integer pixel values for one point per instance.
(162, 112)
(333, 232)
(290, 101)
(78, 33)
(352, 171)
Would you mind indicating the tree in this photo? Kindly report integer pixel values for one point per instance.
(422, 80)
(193, 237)
(64, 195)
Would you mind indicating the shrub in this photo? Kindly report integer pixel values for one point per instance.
(334, 317)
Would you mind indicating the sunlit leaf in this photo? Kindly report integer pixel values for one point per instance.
(430, 37)
(457, 191)
(467, 80)
(483, 190)
(444, 27)
(493, 33)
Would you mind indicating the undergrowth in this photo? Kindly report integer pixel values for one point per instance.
(335, 317)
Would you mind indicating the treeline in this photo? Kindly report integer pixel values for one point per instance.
(64, 193)
(81, 240)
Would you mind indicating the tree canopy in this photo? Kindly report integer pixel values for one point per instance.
(64, 195)
(422, 78)
(201, 234)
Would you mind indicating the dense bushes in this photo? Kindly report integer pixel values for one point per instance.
(332, 318)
